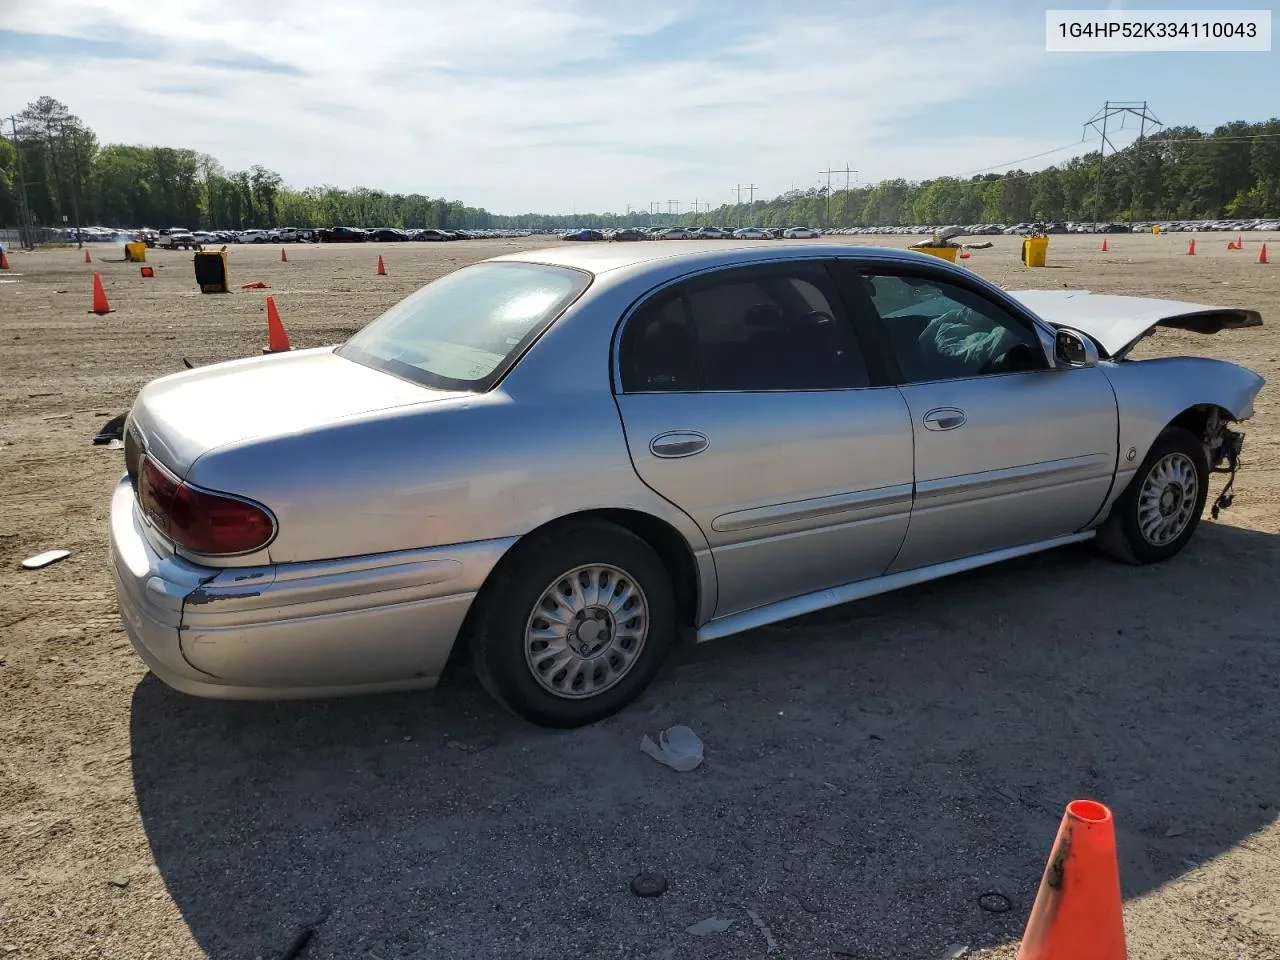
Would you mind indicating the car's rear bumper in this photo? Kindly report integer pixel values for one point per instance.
(325, 628)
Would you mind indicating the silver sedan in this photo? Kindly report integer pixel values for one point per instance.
(565, 459)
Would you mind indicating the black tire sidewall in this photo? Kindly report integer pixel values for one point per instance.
(1171, 440)
(498, 641)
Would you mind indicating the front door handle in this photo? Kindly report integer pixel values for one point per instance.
(678, 443)
(944, 418)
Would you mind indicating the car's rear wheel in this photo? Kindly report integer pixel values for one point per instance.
(1159, 511)
(574, 624)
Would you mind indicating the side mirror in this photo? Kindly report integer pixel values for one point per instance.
(1071, 348)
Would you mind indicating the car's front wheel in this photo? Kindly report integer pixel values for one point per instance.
(1159, 511)
(574, 625)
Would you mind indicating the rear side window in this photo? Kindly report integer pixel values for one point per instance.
(754, 329)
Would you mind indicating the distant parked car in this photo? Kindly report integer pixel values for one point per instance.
(177, 238)
(431, 234)
(710, 233)
(582, 235)
(752, 233)
(628, 233)
(801, 233)
(387, 235)
(676, 233)
(343, 235)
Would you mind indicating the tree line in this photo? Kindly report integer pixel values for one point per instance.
(1178, 173)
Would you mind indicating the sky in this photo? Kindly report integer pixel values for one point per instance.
(590, 105)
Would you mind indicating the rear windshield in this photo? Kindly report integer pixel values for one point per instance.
(465, 330)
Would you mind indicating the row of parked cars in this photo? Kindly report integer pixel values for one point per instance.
(701, 233)
(1069, 226)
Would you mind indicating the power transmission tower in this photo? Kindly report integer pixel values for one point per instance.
(1098, 123)
(26, 229)
(846, 171)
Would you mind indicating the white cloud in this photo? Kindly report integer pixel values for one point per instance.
(535, 104)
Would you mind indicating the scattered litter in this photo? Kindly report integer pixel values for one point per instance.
(115, 444)
(994, 902)
(34, 395)
(648, 884)
(955, 951)
(253, 285)
(832, 786)
(678, 747)
(770, 944)
(1176, 830)
(113, 429)
(187, 363)
(809, 905)
(119, 880)
(57, 416)
(44, 559)
(710, 925)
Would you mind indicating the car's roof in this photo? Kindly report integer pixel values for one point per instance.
(603, 257)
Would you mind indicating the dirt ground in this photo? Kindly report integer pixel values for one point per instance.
(871, 770)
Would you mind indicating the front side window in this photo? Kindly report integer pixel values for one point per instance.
(940, 331)
(463, 331)
(759, 329)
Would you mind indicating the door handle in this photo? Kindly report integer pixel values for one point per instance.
(678, 443)
(944, 418)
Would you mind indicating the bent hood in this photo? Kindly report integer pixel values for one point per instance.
(1118, 323)
(186, 414)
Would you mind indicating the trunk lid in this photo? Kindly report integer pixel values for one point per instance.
(182, 416)
(1117, 323)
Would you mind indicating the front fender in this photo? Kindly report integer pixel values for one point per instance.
(1150, 394)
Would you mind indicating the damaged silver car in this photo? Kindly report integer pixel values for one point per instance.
(564, 459)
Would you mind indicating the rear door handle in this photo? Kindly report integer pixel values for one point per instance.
(944, 418)
(678, 443)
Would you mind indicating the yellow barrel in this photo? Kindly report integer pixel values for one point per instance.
(1034, 251)
(135, 252)
(946, 253)
(1155, 228)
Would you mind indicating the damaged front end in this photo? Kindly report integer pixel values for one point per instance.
(1222, 447)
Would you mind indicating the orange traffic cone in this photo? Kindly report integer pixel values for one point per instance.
(1231, 245)
(4, 261)
(147, 271)
(100, 305)
(382, 270)
(1078, 911)
(1191, 249)
(284, 257)
(277, 339)
(1104, 244)
(1262, 255)
(1239, 241)
(87, 258)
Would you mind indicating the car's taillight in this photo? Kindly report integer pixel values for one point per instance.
(202, 522)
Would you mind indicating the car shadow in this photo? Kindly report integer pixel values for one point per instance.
(871, 771)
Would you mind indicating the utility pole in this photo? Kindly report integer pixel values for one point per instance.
(1098, 123)
(846, 171)
(751, 196)
(26, 230)
(75, 173)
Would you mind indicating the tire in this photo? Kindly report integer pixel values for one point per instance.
(520, 671)
(1175, 460)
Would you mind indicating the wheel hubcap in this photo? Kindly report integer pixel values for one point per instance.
(586, 631)
(1167, 499)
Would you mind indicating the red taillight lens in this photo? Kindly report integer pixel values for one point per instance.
(199, 521)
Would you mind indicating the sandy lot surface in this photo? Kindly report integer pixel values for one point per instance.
(871, 770)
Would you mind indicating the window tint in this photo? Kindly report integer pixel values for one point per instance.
(939, 331)
(753, 330)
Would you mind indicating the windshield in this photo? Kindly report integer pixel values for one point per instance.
(465, 330)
